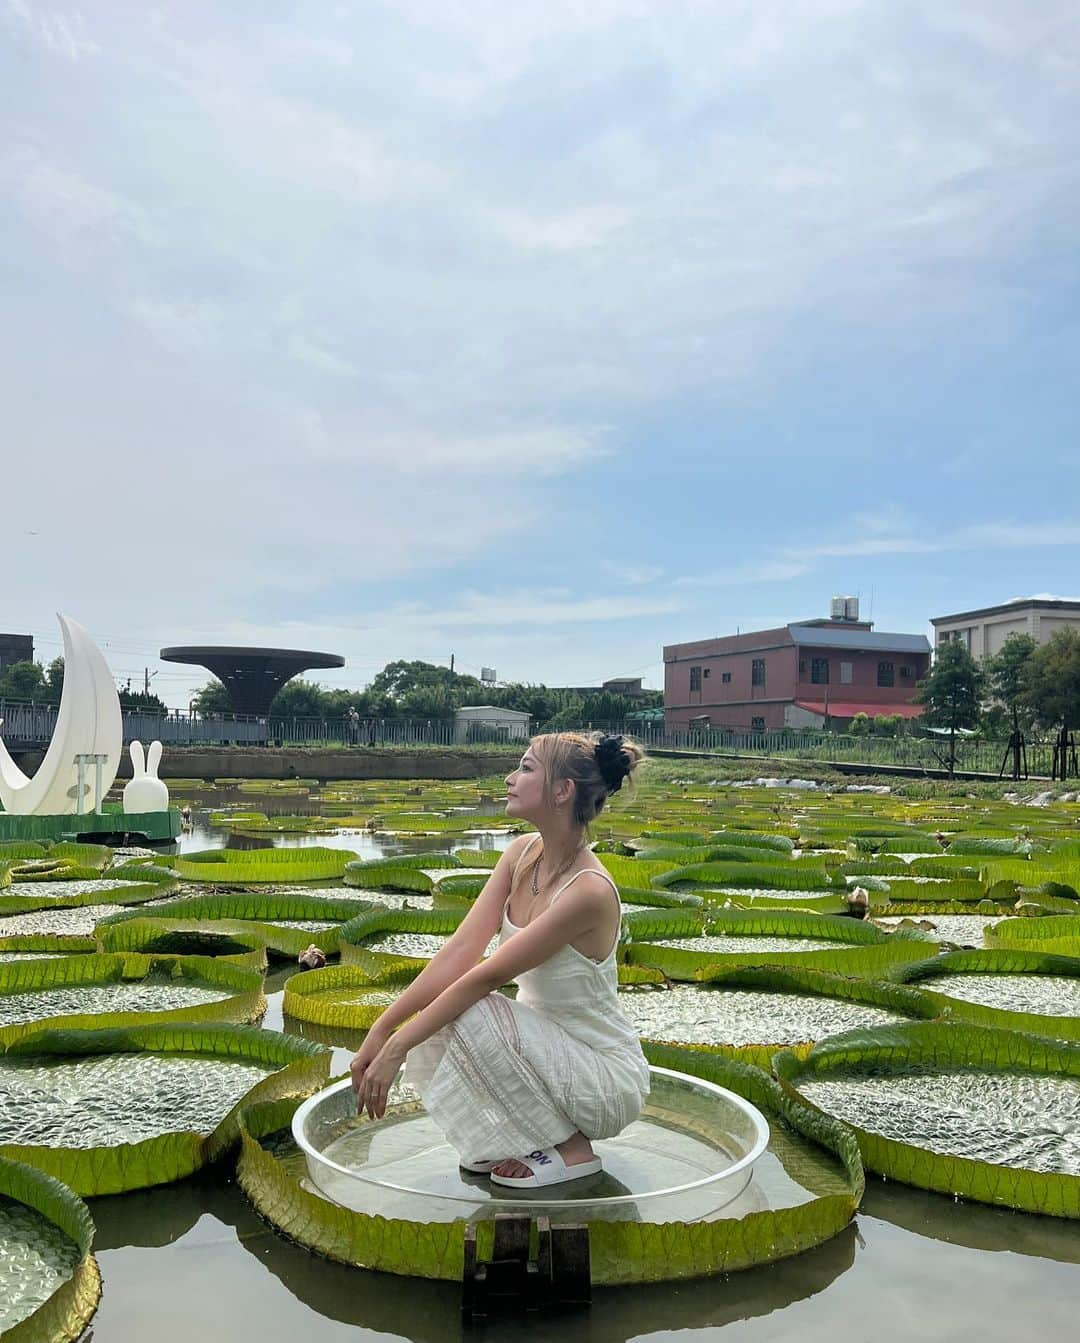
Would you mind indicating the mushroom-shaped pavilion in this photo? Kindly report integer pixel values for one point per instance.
(252, 676)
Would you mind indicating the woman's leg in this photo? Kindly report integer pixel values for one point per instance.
(488, 1080)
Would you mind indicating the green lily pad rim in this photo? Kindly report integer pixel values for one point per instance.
(300, 1067)
(990, 961)
(67, 1312)
(951, 1045)
(621, 1252)
(243, 983)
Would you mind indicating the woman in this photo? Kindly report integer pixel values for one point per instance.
(522, 1087)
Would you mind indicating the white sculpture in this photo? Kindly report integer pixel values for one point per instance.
(88, 724)
(145, 792)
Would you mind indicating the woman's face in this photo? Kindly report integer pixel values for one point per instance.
(525, 788)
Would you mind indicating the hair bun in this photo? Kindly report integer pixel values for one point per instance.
(613, 762)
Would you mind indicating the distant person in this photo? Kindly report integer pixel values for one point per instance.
(352, 720)
(522, 1087)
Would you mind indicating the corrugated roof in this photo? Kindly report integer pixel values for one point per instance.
(874, 642)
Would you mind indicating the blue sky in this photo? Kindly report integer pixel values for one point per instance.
(543, 334)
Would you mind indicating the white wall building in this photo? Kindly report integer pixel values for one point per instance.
(486, 722)
(983, 632)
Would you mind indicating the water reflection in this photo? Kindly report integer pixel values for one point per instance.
(974, 1225)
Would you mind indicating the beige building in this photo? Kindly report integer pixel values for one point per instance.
(983, 632)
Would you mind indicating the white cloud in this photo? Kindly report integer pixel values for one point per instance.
(988, 536)
(634, 574)
(744, 575)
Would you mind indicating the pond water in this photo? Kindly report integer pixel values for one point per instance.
(198, 1261)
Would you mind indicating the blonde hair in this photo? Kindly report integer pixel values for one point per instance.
(596, 764)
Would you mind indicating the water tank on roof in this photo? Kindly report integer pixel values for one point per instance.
(851, 608)
(837, 608)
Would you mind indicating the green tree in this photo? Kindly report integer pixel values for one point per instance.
(398, 679)
(300, 699)
(54, 680)
(952, 692)
(1052, 681)
(24, 681)
(212, 699)
(1006, 680)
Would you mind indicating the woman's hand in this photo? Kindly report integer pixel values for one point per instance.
(365, 1056)
(372, 1083)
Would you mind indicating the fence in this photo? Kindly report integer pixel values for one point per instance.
(27, 726)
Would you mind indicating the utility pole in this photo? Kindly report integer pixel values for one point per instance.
(451, 662)
(146, 680)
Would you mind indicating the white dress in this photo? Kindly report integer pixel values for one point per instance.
(513, 1075)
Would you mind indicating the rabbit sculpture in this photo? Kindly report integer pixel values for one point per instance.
(145, 792)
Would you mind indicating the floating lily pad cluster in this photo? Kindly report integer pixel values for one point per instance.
(813, 933)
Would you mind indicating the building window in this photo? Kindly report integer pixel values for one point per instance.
(706, 672)
(757, 671)
(886, 673)
(695, 679)
(819, 671)
(846, 671)
(906, 672)
(757, 724)
(725, 677)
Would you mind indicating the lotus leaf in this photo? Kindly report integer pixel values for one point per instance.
(228, 867)
(756, 937)
(49, 1280)
(795, 875)
(412, 873)
(337, 995)
(122, 990)
(987, 1114)
(811, 1177)
(120, 1109)
(748, 1013)
(1024, 990)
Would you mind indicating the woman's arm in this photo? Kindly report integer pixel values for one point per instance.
(576, 914)
(459, 953)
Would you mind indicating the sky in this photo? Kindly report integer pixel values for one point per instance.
(541, 334)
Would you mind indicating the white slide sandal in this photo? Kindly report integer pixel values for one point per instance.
(479, 1167)
(547, 1168)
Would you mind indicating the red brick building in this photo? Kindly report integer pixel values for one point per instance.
(793, 676)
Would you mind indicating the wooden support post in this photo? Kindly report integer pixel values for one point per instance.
(512, 1279)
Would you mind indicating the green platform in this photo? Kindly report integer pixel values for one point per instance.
(150, 827)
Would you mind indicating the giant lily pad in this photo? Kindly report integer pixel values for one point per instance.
(380, 940)
(987, 1114)
(246, 867)
(805, 1190)
(339, 996)
(749, 1012)
(121, 887)
(49, 1280)
(685, 950)
(415, 872)
(123, 990)
(1025, 990)
(112, 1110)
(283, 924)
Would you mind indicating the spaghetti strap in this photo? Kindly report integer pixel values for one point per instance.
(580, 873)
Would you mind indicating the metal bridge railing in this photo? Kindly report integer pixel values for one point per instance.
(28, 726)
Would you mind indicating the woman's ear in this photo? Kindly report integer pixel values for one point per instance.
(564, 793)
